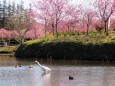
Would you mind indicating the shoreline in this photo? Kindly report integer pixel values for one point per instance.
(11, 55)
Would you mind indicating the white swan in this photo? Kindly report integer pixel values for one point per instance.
(45, 69)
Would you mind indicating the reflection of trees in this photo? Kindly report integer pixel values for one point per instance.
(35, 77)
(45, 80)
(83, 76)
(58, 77)
(108, 77)
(96, 76)
(7, 61)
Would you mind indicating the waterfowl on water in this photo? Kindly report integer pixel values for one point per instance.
(44, 68)
(71, 78)
(18, 65)
(30, 66)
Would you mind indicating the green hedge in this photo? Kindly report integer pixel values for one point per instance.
(63, 48)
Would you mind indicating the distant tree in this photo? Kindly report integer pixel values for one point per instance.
(4, 13)
(73, 14)
(13, 10)
(105, 10)
(51, 13)
(20, 22)
(44, 14)
(21, 26)
(88, 16)
(9, 9)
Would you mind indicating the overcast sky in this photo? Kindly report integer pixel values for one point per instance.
(27, 2)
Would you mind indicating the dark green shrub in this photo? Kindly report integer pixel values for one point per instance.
(79, 47)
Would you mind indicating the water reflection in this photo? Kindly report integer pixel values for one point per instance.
(23, 77)
(7, 61)
(84, 74)
(45, 80)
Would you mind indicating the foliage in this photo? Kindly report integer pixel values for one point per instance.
(15, 18)
(9, 9)
(80, 47)
(99, 29)
(8, 49)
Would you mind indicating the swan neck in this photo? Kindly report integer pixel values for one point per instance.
(39, 64)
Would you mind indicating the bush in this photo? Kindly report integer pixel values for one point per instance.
(99, 29)
(7, 49)
(67, 48)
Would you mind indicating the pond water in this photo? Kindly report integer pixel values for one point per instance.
(83, 73)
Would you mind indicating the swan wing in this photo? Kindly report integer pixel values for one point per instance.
(46, 68)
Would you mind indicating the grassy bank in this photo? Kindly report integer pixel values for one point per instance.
(92, 47)
(8, 49)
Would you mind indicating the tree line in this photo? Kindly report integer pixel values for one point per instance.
(9, 9)
(14, 17)
(57, 16)
(62, 15)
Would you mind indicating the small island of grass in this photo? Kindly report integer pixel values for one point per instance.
(72, 46)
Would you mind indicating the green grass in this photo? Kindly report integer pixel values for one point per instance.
(7, 49)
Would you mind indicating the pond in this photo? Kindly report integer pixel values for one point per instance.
(83, 73)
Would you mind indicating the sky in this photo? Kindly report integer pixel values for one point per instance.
(27, 2)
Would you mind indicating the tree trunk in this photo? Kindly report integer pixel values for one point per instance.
(68, 28)
(87, 29)
(22, 40)
(106, 29)
(35, 35)
(53, 29)
(45, 28)
(56, 27)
